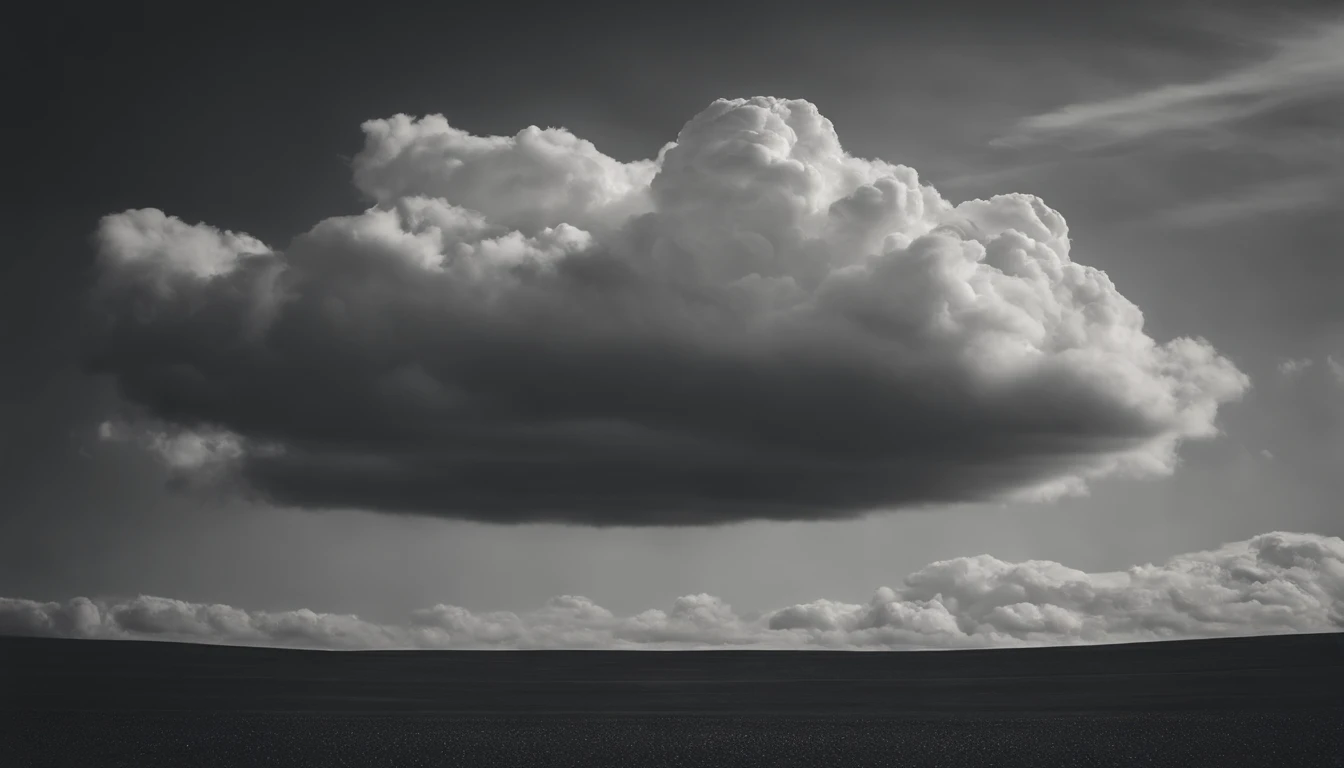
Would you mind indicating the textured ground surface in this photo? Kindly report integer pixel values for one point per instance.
(286, 739)
(1257, 702)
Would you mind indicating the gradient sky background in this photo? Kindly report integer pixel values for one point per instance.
(1214, 208)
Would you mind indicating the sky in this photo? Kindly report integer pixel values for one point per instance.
(589, 329)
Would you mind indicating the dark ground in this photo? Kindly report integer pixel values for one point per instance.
(1275, 701)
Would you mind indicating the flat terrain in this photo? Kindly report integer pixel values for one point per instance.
(1252, 701)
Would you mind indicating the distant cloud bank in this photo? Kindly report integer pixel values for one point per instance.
(753, 325)
(1273, 583)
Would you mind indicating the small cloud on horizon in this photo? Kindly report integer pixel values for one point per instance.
(1271, 584)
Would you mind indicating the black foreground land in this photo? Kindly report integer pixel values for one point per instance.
(1248, 701)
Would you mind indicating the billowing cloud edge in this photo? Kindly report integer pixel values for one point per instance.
(754, 325)
(1274, 583)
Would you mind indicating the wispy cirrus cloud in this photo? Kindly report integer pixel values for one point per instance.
(1307, 65)
(1284, 196)
(1253, 140)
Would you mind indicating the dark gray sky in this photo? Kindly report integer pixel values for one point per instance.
(1192, 147)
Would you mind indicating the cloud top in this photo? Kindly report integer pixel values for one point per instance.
(754, 325)
(1274, 583)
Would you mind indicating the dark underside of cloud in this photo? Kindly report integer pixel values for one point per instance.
(1274, 583)
(753, 325)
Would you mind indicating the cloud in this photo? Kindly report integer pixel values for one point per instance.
(1333, 369)
(1336, 369)
(1270, 128)
(178, 448)
(1309, 65)
(1294, 366)
(1293, 195)
(753, 325)
(1273, 583)
(528, 181)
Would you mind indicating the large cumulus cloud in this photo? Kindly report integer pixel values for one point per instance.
(1273, 583)
(755, 324)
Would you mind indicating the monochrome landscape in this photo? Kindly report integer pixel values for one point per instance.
(900, 385)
